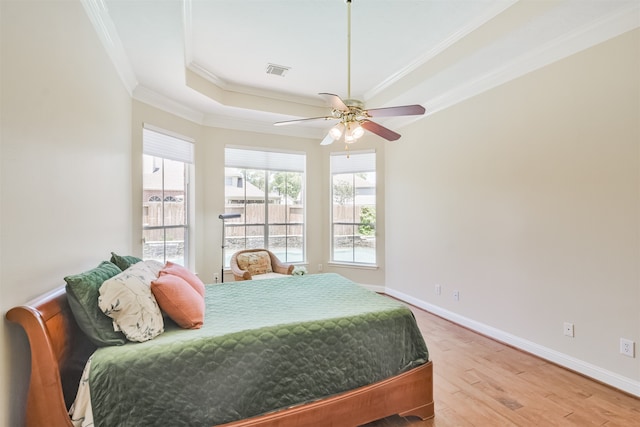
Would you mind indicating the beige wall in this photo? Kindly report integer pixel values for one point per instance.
(209, 191)
(65, 163)
(211, 156)
(317, 197)
(528, 195)
(526, 199)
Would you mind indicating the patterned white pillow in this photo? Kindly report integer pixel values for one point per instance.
(128, 300)
(154, 266)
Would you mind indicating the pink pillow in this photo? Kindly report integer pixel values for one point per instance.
(179, 300)
(188, 276)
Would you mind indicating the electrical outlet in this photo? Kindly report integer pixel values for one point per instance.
(216, 277)
(456, 295)
(438, 289)
(627, 347)
(319, 267)
(568, 329)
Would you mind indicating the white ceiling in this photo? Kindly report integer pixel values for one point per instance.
(206, 60)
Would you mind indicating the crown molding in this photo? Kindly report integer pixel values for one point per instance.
(562, 47)
(164, 103)
(587, 36)
(221, 84)
(235, 123)
(106, 31)
(206, 74)
(439, 48)
(605, 28)
(161, 102)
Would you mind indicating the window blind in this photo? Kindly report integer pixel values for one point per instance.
(166, 146)
(357, 162)
(243, 158)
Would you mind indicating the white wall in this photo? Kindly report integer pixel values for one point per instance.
(65, 163)
(526, 199)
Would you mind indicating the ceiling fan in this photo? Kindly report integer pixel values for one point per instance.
(353, 118)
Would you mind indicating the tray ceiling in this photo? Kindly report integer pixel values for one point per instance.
(207, 60)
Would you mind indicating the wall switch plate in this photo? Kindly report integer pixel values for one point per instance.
(627, 347)
(438, 289)
(568, 329)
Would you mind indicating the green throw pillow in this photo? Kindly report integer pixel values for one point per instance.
(82, 294)
(124, 262)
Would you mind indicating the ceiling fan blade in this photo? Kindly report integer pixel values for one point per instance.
(335, 101)
(328, 140)
(292, 122)
(379, 130)
(404, 110)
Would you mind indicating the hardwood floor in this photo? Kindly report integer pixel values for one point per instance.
(481, 382)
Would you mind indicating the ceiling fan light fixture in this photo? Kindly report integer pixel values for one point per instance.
(356, 130)
(353, 118)
(353, 132)
(336, 131)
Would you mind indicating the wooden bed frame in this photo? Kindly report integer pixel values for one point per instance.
(59, 351)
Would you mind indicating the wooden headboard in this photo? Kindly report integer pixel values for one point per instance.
(59, 351)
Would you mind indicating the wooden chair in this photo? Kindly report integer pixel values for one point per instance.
(255, 271)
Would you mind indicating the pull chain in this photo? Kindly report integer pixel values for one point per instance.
(348, 49)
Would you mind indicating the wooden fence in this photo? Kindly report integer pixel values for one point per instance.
(284, 220)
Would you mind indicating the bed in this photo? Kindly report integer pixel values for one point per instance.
(311, 319)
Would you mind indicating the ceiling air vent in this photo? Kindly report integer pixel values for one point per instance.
(277, 70)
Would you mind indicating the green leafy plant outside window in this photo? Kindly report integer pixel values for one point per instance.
(367, 221)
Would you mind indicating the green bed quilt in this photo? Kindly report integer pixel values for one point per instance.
(265, 345)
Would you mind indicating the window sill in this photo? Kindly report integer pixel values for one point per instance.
(353, 265)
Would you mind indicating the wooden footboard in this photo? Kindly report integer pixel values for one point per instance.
(407, 394)
(59, 351)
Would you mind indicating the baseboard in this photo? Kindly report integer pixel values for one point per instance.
(599, 374)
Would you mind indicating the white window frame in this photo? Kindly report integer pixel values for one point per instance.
(353, 162)
(166, 145)
(267, 160)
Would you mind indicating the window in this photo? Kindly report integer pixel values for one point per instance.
(267, 189)
(353, 213)
(165, 186)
